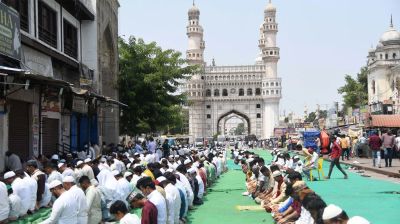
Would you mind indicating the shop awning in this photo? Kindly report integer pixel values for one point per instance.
(385, 120)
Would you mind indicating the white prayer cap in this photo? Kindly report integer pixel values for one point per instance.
(9, 174)
(187, 161)
(136, 165)
(170, 170)
(196, 164)
(128, 165)
(161, 179)
(296, 157)
(54, 184)
(276, 173)
(136, 154)
(127, 174)
(88, 160)
(331, 211)
(115, 172)
(176, 156)
(171, 156)
(68, 179)
(103, 160)
(60, 165)
(79, 163)
(191, 170)
(357, 220)
(55, 157)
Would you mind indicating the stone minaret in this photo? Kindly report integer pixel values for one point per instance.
(195, 86)
(196, 44)
(271, 84)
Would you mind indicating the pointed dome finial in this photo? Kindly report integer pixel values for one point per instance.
(193, 3)
(391, 21)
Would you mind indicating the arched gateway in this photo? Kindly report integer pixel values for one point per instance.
(251, 92)
(221, 123)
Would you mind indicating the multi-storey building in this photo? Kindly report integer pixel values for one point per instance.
(60, 91)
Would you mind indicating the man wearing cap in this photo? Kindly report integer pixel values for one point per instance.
(357, 220)
(149, 210)
(78, 196)
(64, 210)
(173, 197)
(334, 214)
(93, 200)
(15, 204)
(123, 187)
(65, 171)
(280, 195)
(52, 174)
(87, 170)
(40, 178)
(148, 188)
(19, 188)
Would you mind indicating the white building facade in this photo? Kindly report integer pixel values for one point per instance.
(250, 92)
(384, 72)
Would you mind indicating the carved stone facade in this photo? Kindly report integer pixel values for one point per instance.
(107, 22)
(251, 92)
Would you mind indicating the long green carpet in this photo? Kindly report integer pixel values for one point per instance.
(220, 204)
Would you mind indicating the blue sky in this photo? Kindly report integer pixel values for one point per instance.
(320, 40)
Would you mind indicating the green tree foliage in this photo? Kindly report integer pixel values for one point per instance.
(355, 91)
(148, 82)
(239, 129)
(311, 117)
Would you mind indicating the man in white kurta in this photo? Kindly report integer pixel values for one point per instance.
(65, 208)
(173, 200)
(79, 198)
(123, 186)
(32, 186)
(4, 206)
(93, 200)
(87, 171)
(21, 189)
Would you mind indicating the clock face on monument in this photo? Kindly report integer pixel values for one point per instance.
(233, 91)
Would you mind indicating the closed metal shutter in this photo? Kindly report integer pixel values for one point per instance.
(50, 136)
(19, 132)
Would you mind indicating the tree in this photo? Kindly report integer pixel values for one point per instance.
(148, 83)
(355, 91)
(239, 129)
(311, 117)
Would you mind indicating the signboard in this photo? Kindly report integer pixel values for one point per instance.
(10, 40)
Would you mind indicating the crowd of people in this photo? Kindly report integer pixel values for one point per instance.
(279, 187)
(105, 188)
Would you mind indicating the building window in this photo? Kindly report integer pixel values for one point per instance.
(216, 92)
(224, 92)
(241, 92)
(21, 6)
(208, 116)
(47, 24)
(386, 56)
(258, 105)
(272, 84)
(258, 115)
(208, 106)
(394, 55)
(70, 39)
(249, 92)
(373, 86)
(258, 91)
(208, 92)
